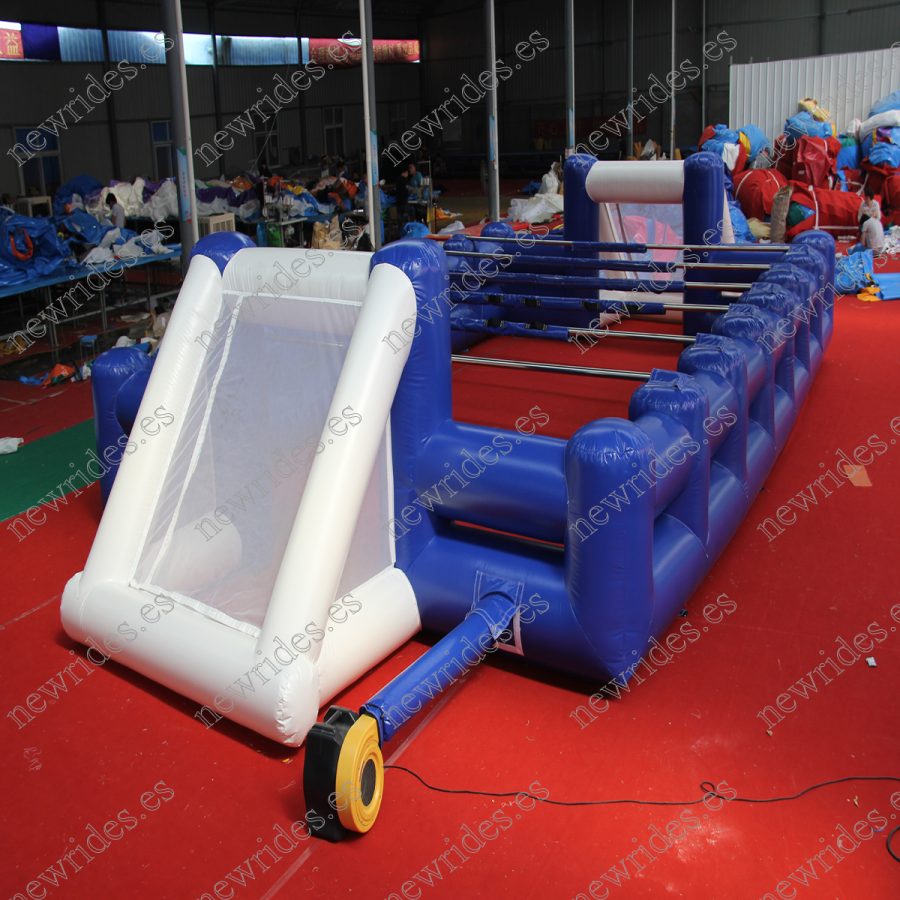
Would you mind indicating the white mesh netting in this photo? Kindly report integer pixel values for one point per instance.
(243, 455)
(649, 223)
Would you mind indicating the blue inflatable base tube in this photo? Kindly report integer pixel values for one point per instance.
(462, 648)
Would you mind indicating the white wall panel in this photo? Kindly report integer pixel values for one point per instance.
(847, 84)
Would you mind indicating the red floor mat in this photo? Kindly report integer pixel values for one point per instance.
(34, 412)
(115, 744)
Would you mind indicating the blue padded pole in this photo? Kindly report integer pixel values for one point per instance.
(581, 222)
(642, 307)
(528, 239)
(460, 649)
(610, 284)
(704, 193)
(560, 332)
(610, 265)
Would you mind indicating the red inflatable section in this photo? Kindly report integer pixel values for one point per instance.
(831, 208)
(755, 191)
(891, 197)
(815, 161)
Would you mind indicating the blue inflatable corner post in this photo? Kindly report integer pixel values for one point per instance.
(221, 246)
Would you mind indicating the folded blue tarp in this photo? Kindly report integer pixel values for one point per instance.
(757, 138)
(848, 157)
(852, 273)
(885, 155)
(83, 185)
(889, 286)
(31, 244)
(885, 104)
(739, 224)
(804, 125)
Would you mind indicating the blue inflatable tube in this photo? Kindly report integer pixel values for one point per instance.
(463, 647)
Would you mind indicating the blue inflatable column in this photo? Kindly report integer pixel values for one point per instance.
(824, 243)
(118, 379)
(750, 325)
(609, 552)
(221, 246)
(422, 402)
(704, 199)
(680, 398)
(582, 215)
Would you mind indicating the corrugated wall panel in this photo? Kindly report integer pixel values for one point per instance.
(765, 94)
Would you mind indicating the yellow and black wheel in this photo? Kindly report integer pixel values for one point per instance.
(343, 776)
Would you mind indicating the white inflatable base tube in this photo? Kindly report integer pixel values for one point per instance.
(226, 671)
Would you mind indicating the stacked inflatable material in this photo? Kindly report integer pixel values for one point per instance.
(738, 148)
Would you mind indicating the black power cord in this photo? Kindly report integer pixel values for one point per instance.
(708, 788)
(890, 849)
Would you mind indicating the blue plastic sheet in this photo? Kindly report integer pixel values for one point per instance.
(848, 157)
(757, 138)
(852, 273)
(804, 125)
(885, 155)
(739, 224)
(84, 226)
(83, 185)
(889, 286)
(31, 245)
(885, 104)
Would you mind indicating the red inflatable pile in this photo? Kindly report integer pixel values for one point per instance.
(755, 189)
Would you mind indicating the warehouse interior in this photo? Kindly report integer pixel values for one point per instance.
(429, 421)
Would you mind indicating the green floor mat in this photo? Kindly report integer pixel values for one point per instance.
(35, 470)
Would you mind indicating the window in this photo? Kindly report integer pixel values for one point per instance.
(257, 51)
(333, 121)
(43, 171)
(81, 45)
(149, 47)
(265, 142)
(163, 154)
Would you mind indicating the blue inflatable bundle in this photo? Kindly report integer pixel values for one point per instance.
(804, 125)
(757, 138)
(739, 224)
(30, 246)
(416, 230)
(83, 185)
(849, 157)
(886, 104)
(885, 154)
(723, 136)
(853, 272)
(84, 226)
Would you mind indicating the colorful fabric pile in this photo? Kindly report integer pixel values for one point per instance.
(738, 148)
(158, 201)
(826, 172)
